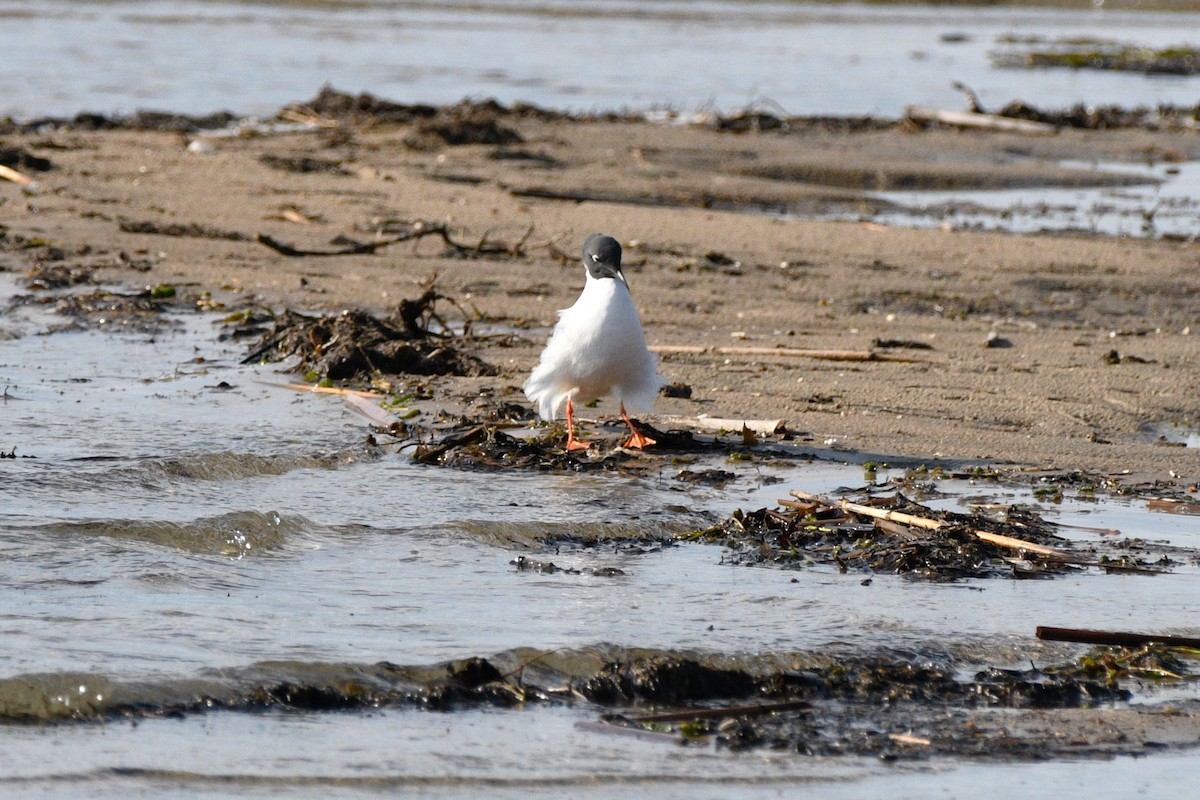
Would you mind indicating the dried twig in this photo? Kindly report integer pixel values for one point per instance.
(356, 248)
(419, 230)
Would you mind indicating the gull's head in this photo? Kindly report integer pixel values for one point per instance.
(602, 257)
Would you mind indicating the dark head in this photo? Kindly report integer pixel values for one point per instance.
(602, 257)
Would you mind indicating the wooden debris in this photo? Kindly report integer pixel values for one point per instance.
(971, 119)
(312, 387)
(370, 410)
(10, 174)
(419, 230)
(1013, 543)
(938, 546)
(1009, 542)
(1114, 638)
(762, 427)
(893, 516)
(908, 738)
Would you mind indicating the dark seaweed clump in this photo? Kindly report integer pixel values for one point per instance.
(818, 533)
(815, 705)
(477, 446)
(356, 346)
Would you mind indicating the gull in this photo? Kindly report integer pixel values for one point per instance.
(597, 348)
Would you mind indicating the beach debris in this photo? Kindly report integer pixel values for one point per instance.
(17, 177)
(1115, 638)
(467, 123)
(138, 121)
(52, 276)
(762, 427)
(303, 164)
(679, 390)
(901, 344)
(995, 340)
(189, 230)
(807, 703)
(489, 447)
(136, 312)
(487, 245)
(972, 119)
(354, 345)
(15, 159)
(895, 534)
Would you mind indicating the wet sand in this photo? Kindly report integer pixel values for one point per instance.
(1101, 330)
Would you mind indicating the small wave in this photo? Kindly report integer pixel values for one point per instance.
(239, 533)
(225, 466)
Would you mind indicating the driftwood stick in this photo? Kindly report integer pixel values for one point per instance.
(1115, 638)
(896, 529)
(908, 738)
(10, 174)
(911, 520)
(971, 119)
(1012, 543)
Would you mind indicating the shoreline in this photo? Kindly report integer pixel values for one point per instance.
(1097, 352)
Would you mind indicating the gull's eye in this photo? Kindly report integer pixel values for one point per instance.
(595, 257)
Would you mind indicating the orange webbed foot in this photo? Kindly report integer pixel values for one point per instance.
(638, 440)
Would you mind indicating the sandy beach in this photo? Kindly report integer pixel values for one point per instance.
(1096, 335)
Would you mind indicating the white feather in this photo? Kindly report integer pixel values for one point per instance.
(597, 348)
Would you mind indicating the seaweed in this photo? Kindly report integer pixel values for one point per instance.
(896, 535)
(355, 345)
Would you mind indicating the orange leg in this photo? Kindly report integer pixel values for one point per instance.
(636, 439)
(572, 442)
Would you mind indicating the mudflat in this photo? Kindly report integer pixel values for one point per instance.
(1058, 352)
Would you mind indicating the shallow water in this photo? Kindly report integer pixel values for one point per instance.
(158, 529)
(536, 753)
(190, 56)
(1165, 205)
(58, 57)
(162, 537)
